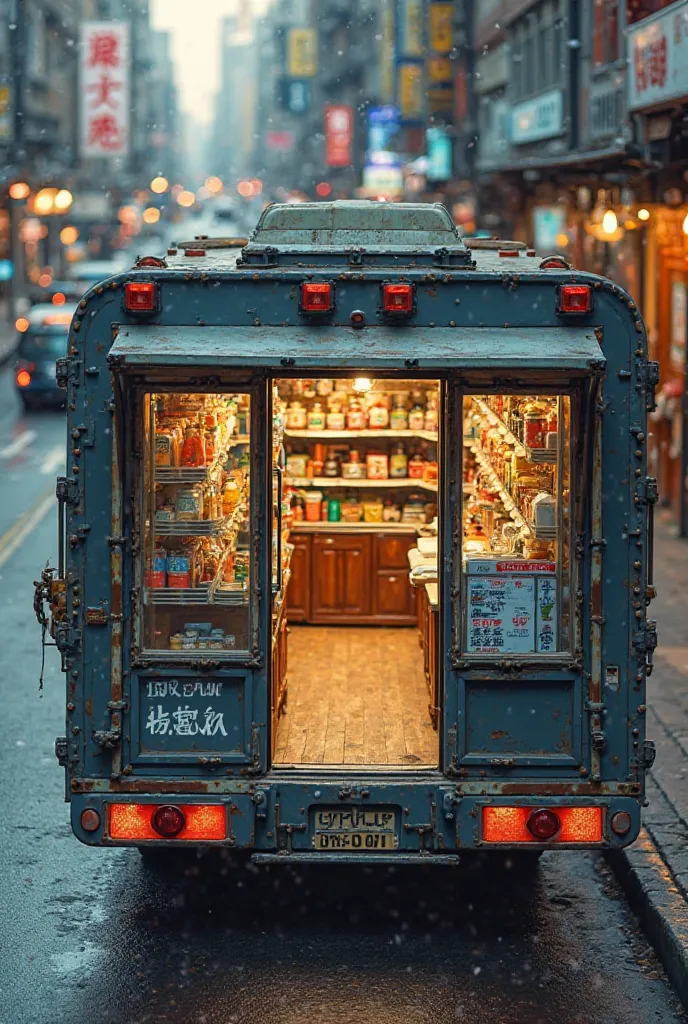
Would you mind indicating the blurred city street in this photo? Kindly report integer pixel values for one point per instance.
(418, 268)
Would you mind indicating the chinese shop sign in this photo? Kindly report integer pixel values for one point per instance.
(658, 58)
(339, 124)
(104, 79)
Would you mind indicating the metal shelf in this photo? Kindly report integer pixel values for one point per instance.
(521, 449)
(195, 474)
(540, 533)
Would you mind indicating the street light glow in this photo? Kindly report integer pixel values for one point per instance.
(63, 200)
(643, 214)
(685, 225)
(214, 184)
(19, 190)
(45, 200)
(159, 184)
(69, 235)
(186, 198)
(151, 215)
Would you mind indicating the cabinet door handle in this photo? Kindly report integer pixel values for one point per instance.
(392, 579)
(329, 540)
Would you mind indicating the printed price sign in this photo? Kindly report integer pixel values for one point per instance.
(189, 715)
(501, 615)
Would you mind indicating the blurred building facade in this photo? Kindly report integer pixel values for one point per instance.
(41, 135)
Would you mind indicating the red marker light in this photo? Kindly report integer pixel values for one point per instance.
(140, 297)
(575, 298)
(543, 824)
(23, 378)
(323, 188)
(168, 821)
(316, 298)
(397, 298)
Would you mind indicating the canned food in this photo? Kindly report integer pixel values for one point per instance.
(189, 504)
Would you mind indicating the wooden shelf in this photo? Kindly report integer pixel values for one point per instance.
(324, 526)
(333, 435)
(337, 481)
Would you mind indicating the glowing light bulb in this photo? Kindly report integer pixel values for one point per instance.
(362, 384)
(609, 222)
(685, 225)
(643, 214)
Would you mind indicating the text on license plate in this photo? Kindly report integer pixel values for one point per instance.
(355, 828)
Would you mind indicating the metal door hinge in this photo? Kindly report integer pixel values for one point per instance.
(67, 371)
(61, 751)
(648, 378)
(649, 754)
(67, 490)
(645, 640)
(67, 639)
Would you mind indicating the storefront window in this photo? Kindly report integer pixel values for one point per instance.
(196, 537)
(516, 525)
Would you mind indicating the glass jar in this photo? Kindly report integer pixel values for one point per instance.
(336, 420)
(193, 449)
(331, 467)
(378, 415)
(416, 465)
(535, 425)
(398, 418)
(377, 466)
(416, 418)
(297, 417)
(431, 415)
(316, 417)
(355, 416)
(353, 468)
(398, 462)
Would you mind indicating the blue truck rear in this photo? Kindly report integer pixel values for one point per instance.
(191, 546)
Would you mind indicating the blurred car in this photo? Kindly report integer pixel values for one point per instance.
(90, 272)
(58, 292)
(42, 340)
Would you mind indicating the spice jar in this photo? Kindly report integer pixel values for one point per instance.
(189, 504)
(316, 417)
(416, 465)
(336, 420)
(193, 449)
(313, 506)
(355, 416)
(297, 417)
(398, 418)
(378, 414)
(416, 418)
(534, 425)
(331, 467)
(377, 466)
(353, 468)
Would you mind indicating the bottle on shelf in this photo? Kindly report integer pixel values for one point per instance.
(316, 417)
(378, 414)
(398, 462)
(331, 466)
(431, 415)
(416, 418)
(398, 417)
(355, 416)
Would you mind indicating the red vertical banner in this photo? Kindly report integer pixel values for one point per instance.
(339, 133)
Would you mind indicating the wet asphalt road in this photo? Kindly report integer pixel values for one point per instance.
(95, 936)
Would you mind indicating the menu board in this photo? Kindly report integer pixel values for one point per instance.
(501, 614)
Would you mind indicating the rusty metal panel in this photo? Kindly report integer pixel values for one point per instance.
(560, 349)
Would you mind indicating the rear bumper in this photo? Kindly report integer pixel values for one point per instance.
(431, 821)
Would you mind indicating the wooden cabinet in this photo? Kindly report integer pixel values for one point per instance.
(299, 589)
(341, 577)
(351, 577)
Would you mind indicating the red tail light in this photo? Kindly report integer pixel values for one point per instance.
(575, 298)
(530, 825)
(23, 378)
(135, 822)
(140, 297)
(316, 298)
(397, 298)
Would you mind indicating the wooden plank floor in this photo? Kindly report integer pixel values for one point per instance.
(356, 695)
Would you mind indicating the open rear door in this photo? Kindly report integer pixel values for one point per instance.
(519, 461)
(191, 490)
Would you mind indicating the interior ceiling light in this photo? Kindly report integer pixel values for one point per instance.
(362, 385)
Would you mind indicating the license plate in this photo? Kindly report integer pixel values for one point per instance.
(355, 828)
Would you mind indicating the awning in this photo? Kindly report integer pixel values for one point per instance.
(372, 348)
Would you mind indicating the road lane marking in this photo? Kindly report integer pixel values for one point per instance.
(53, 460)
(27, 522)
(18, 445)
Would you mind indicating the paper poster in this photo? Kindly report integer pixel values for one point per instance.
(501, 614)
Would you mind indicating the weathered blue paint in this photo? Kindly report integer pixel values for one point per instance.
(495, 319)
(388, 348)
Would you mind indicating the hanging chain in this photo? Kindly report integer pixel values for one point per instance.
(43, 595)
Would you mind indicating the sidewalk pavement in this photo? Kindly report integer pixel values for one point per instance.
(654, 870)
